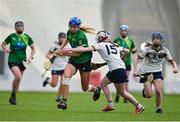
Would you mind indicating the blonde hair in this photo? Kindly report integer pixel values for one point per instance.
(87, 29)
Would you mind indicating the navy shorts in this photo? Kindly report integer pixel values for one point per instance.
(85, 67)
(156, 75)
(117, 76)
(19, 65)
(57, 72)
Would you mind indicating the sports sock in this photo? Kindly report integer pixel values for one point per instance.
(110, 103)
(59, 97)
(65, 100)
(13, 94)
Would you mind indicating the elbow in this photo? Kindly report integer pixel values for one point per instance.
(2, 45)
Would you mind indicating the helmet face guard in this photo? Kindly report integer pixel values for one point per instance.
(75, 21)
(103, 36)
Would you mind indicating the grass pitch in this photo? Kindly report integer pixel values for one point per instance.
(41, 106)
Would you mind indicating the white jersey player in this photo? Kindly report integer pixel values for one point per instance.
(60, 61)
(58, 65)
(152, 58)
(117, 72)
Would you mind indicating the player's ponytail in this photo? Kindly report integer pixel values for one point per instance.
(87, 29)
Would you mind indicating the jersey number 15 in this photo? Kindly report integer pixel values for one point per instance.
(111, 49)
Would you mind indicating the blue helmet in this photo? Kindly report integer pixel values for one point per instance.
(124, 28)
(158, 35)
(75, 21)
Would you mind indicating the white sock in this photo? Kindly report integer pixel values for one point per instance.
(110, 103)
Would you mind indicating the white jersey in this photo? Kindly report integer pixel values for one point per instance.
(111, 54)
(152, 59)
(60, 61)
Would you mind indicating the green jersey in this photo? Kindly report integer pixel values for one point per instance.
(126, 43)
(18, 44)
(79, 39)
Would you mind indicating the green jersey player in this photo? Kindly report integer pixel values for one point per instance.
(17, 55)
(125, 41)
(81, 61)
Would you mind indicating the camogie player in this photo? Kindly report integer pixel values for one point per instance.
(152, 58)
(125, 41)
(17, 55)
(58, 66)
(82, 62)
(111, 53)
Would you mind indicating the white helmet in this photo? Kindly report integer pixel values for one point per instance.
(103, 36)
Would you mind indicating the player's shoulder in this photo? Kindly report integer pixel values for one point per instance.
(55, 43)
(12, 34)
(26, 34)
(117, 39)
(165, 49)
(81, 34)
(130, 39)
(148, 47)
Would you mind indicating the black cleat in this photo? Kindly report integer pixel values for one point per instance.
(117, 98)
(62, 105)
(143, 94)
(97, 94)
(12, 100)
(46, 81)
(159, 110)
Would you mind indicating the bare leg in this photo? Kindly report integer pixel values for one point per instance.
(54, 80)
(60, 87)
(16, 82)
(148, 89)
(121, 89)
(85, 76)
(158, 88)
(104, 85)
(70, 70)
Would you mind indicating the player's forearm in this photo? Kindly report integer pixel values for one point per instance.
(49, 55)
(5, 48)
(82, 49)
(33, 51)
(173, 63)
(65, 42)
(71, 54)
(135, 59)
(135, 63)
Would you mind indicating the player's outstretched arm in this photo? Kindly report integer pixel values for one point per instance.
(82, 49)
(135, 66)
(74, 51)
(65, 42)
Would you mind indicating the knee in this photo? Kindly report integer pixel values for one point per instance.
(53, 84)
(85, 88)
(123, 93)
(66, 81)
(18, 78)
(148, 95)
(102, 85)
(158, 92)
